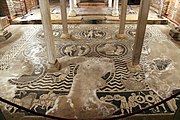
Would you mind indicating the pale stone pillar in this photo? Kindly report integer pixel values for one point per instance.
(140, 32)
(75, 3)
(122, 19)
(110, 3)
(115, 11)
(72, 12)
(48, 33)
(65, 34)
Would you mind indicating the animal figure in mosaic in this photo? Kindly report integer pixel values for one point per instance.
(109, 49)
(90, 34)
(82, 101)
(45, 101)
(26, 102)
(70, 49)
(97, 34)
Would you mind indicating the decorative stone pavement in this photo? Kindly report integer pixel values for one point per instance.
(93, 48)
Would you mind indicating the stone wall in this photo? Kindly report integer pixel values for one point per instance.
(4, 11)
(170, 8)
(11, 8)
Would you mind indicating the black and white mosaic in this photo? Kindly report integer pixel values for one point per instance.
(93, 34)
(111, 50)
(75, 50)
(34, 50)
(37, 73)
(125, 90)
(56, 34)
(132, 33)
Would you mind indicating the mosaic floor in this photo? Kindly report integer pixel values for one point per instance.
(94, 81)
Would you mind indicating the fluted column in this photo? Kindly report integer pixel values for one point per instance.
(140, 32)
(65, 33)
(110, 3)
(72, 12)
(122, 19)
(115, 11)
(48, 33)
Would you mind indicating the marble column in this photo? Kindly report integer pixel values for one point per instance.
(121, 34)
(65, 33)
(48, 33)
(140, 32)
(115, 11)
(72, 12)
(110, 3)
(75, 3)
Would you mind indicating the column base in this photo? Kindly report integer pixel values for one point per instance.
(53, 67)
(65, 36)
(121, 36)
(72, 13)
(4, 35)
(115, 13)
(134, 68)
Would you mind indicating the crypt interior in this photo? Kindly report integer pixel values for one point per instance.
(89, 59)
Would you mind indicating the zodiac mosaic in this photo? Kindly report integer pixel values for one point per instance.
(34, 50)
(75, 50)
(93, 34)
(132, 33)
(56, 34)
(111, 50)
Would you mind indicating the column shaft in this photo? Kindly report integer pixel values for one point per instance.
(75, 3)
(47, 27)
(65, 33)
(110, 3)
(123, 16)
(140, 32)
(72, 12)
(115, 11)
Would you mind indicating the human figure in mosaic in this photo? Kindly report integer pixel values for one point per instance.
(132, 102)
(124, 104)
(154, 98)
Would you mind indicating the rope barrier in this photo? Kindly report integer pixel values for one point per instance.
(110, 118)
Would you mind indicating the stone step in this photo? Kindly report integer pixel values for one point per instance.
(92, 4)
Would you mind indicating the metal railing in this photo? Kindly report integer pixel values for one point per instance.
(110, 118)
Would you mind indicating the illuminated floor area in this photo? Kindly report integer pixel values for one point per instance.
(94, 80)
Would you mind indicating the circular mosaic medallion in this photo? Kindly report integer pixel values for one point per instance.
(56, 34)
(75, 50)
(33, 50)
(92, 34)
(111, 49)
(132, 33)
